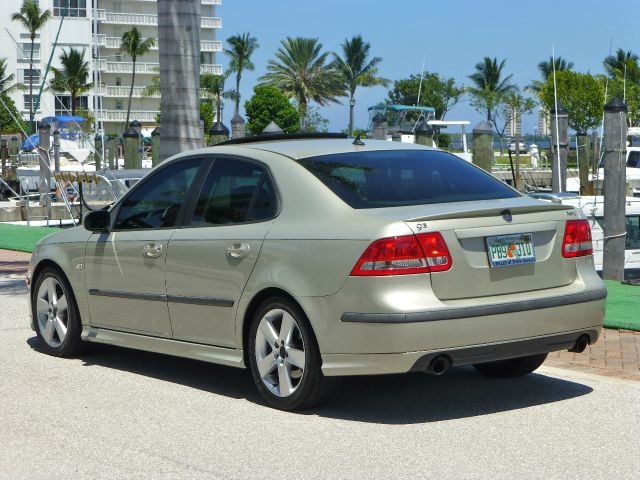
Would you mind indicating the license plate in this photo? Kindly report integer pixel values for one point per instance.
(505, 250)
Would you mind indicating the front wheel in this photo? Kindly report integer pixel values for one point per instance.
(513, 367)
(56, 316)
(284, 357)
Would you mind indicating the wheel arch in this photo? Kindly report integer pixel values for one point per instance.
(37, 270)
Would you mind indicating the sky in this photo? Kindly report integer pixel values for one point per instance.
(450, 35)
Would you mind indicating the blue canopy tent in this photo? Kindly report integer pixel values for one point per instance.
(61, 122)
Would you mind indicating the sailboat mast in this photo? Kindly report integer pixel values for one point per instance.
(555, 101)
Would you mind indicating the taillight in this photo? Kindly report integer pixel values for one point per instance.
(423, 253)
(577, 239)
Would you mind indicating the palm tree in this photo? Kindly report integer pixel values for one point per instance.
(546, 69)
(72, 77)
(489, 84)
(242, 47)
(300, 72)
(32, 19)
(356, 69)
(133, 45)
(212, 86)
(6, 81)
(623, 65)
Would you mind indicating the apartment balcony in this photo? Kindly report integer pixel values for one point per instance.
(117, 18)
(114, 42)
(121, 115)
(123, 92)
(146, 67)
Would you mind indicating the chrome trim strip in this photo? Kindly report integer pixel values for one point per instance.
(216, 302)
(156, 297)
(479, 311)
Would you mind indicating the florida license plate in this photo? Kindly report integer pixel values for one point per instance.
(504, 250)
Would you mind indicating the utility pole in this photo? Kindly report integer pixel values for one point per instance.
(518, 185)
(615, 186)
(560, 148)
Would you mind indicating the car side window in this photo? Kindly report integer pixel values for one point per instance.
(156, 203)
(634, 159)
(235, 191)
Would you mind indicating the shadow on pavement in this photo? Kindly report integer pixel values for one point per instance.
(384, 399)
(12, 286)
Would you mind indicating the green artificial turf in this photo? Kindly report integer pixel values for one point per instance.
(21, 237)
(623, 306)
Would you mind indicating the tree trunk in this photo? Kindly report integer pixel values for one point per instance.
(237, 99)
(73, 104)
(133, 81)
(31, 112)
(302, 111)
(179, 46)
(351, 105)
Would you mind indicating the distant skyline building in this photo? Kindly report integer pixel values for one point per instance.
(109, 69)
(514, 125)
(543, 122)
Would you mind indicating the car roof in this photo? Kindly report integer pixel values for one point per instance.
(298, 149)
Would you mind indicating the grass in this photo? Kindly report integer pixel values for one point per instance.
(623, 304)
(21, 237)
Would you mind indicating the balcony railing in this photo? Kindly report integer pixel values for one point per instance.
(121, 115)
(118, 18)
(114, 42)
(123, 92)
(146, 67)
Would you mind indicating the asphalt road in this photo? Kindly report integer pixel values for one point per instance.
(117, 413)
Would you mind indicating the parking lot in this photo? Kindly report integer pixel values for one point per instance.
(116, 413)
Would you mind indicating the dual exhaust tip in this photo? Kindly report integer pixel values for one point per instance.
(440, 364)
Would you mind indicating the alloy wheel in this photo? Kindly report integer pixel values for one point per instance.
(52, 312)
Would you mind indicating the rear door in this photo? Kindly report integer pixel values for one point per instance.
(210, 259)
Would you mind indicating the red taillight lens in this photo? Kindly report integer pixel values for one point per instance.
(577, 239)
(422, 253)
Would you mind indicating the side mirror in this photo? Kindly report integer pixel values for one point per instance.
(97, 221)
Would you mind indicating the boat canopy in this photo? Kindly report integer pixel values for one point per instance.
(400, 118)
(62, 120)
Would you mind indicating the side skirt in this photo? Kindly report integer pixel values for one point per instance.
(195, 351)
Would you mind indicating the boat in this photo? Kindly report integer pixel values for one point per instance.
(593, 208)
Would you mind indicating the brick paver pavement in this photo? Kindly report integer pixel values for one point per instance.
(617, 352)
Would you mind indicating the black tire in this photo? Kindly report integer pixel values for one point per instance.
(513, 367)
(72, 343)
(313, 388)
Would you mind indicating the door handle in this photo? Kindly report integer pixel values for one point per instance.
(152, 250)
(238, 250)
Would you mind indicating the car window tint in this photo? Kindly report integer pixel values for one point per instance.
(235, 191)
(634, 159)
(394, 178)
(156, 203)
(633, 233)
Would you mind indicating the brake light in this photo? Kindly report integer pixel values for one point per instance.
(577, 239)
(423, 253)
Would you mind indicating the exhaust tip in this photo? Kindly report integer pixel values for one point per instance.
(439, 365)
(581, 344)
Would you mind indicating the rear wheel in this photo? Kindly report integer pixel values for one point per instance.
(284, 357)
(513, 367)
(56, 316)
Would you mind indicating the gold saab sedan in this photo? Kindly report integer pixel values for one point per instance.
(306, 259)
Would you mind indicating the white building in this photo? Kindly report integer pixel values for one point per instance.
(514, 125)
(113, 69)
(544, 121)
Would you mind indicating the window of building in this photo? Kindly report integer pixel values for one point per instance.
(70, 8)
(27, 100)
(24, 51)
(63, 104)
(118, 81)
(29, 75)
(118, 104)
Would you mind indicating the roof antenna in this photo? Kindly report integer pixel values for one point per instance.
(357, 141)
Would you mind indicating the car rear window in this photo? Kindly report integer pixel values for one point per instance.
(394, 178)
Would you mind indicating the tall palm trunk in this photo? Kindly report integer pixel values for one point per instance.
(31, 112)
(351, 105)
(74, 99)
(302, 110)
(236, 110)
(133, 82)
(179, 45)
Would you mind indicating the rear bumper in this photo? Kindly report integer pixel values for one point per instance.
(476, 311)
(371, 364)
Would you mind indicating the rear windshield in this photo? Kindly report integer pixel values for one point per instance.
(394, 178)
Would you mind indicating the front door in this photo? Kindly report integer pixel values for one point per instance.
(210, 259)
(126, 267)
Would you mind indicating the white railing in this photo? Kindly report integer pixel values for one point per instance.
(121, 115)
(123, 92)
(146, 67)
(114, 42)
(148, 19)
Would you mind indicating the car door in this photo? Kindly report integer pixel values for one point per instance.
(210, 260)
(125, 268)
